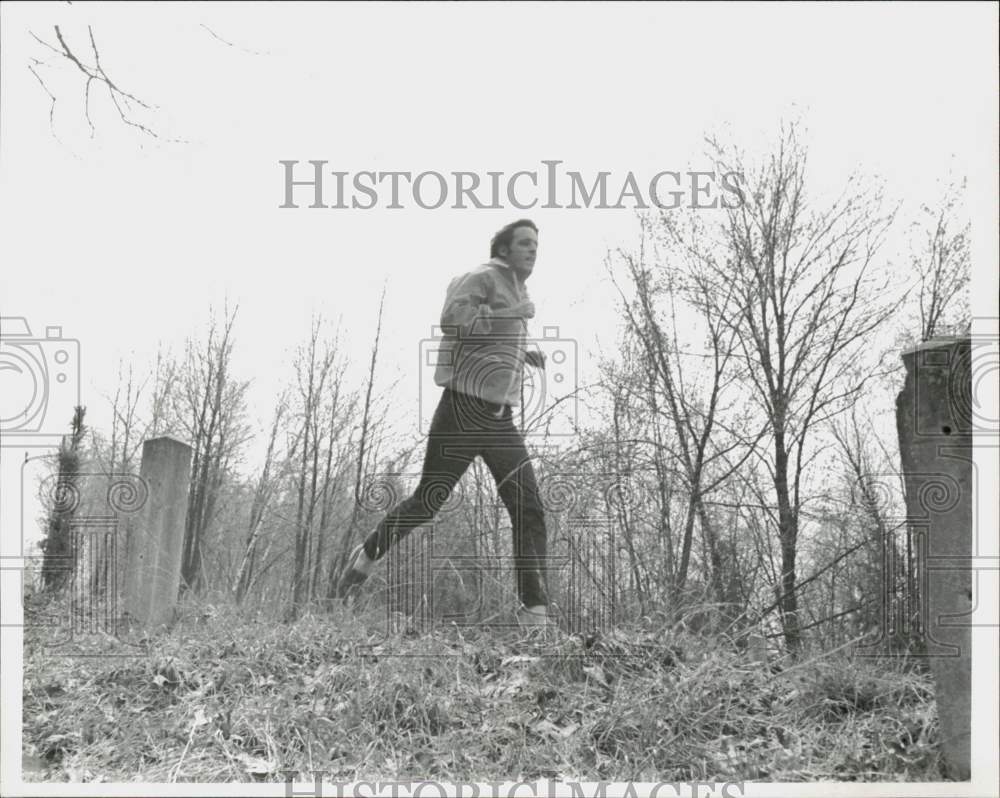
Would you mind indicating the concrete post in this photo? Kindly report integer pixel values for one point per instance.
(156, 539)
(934, 423)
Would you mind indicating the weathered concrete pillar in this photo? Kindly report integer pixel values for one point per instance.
(934, 422)
(156, 539)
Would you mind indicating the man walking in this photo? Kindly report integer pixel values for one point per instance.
(480, 363)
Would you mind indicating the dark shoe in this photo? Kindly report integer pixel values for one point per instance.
(351, 578)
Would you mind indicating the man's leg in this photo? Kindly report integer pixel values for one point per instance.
(507, 458)
(448, 455)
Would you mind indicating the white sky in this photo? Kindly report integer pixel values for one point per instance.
(126, 242)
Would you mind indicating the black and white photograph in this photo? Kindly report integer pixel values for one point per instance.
(526, 399)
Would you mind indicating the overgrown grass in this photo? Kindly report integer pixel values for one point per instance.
(223, 698)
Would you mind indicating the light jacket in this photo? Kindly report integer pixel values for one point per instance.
(482, 349)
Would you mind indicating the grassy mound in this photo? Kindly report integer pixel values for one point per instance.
(223, 698)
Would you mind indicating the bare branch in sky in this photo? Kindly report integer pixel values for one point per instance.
(125, 102)
(231, 44)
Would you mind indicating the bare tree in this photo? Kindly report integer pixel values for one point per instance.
(132, 420)
(58, 562)
(942, 264)
(690, 400)
(340, 414)
(873, 500)
(164, 381)
(624, 457)
(314, 368)
(209, 407)
(809, 303)
(267, 484)
(127, 433)
(339, 555)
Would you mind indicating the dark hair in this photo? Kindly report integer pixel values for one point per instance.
(505, 236)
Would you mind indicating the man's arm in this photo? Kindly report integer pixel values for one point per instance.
(466, 305)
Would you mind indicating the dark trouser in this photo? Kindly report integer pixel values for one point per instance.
(462, 428)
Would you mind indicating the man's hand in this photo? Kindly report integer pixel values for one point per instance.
(525, 309)
(535, 357)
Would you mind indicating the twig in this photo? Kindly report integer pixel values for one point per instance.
(52, 109)
(230, 44)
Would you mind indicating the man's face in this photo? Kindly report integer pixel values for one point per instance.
(521, 253)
